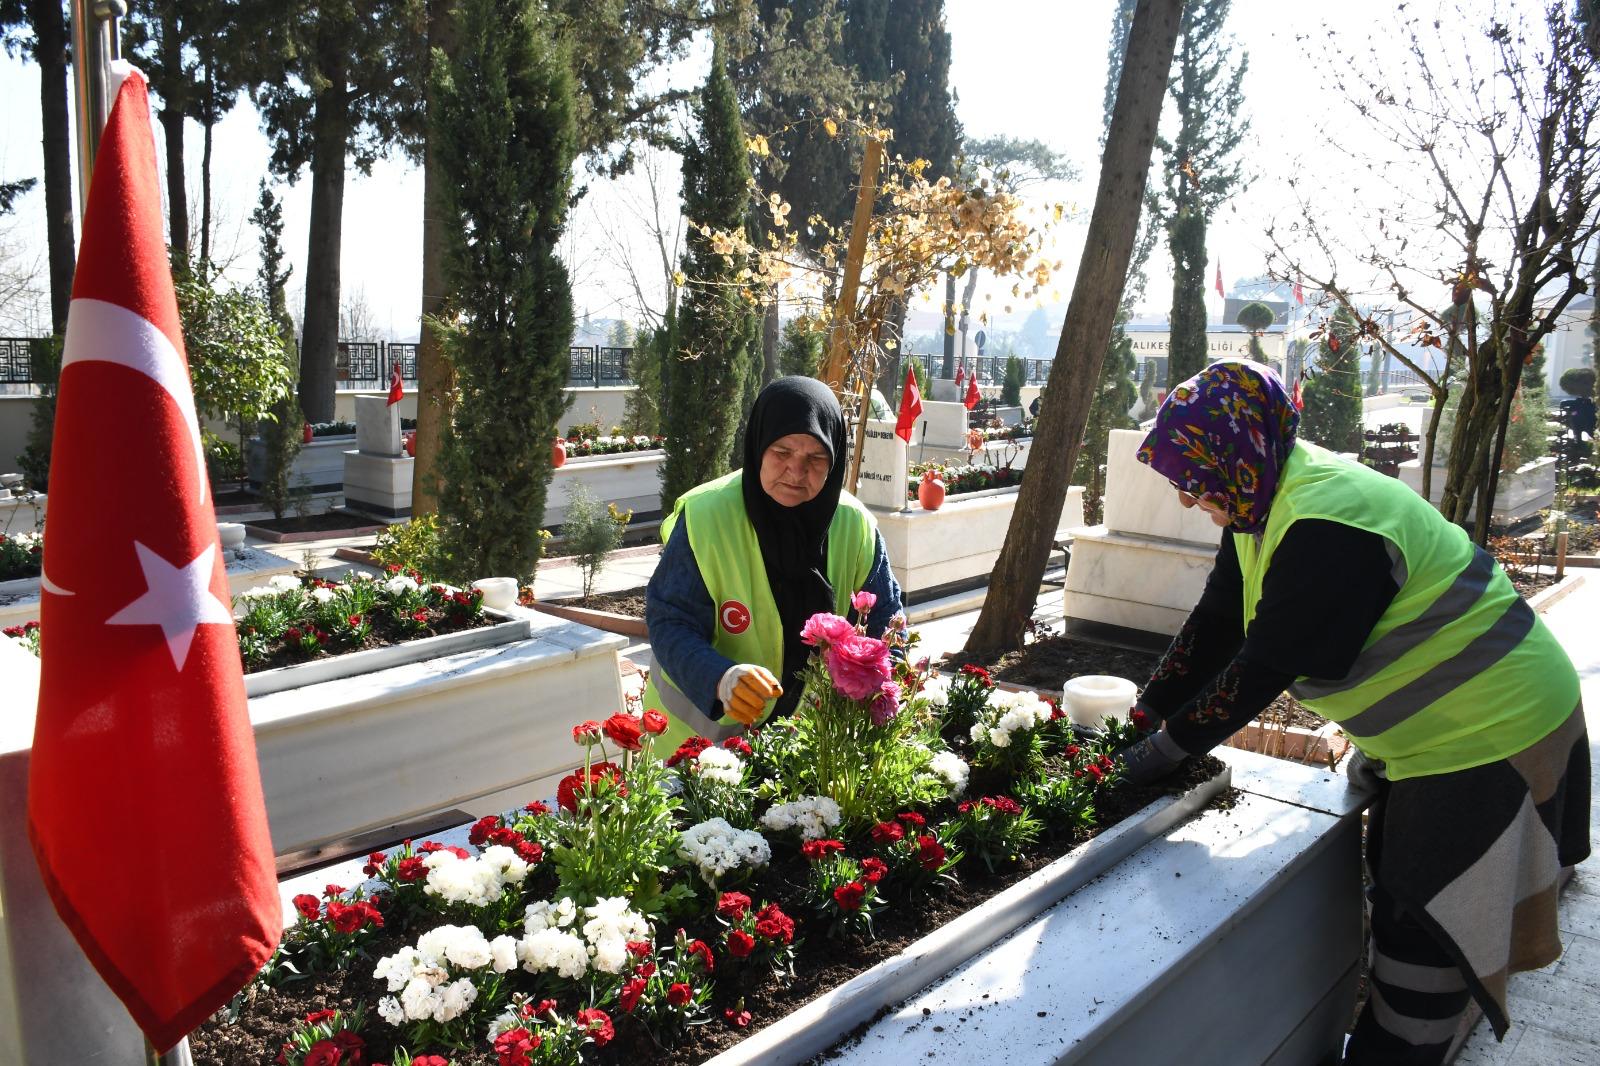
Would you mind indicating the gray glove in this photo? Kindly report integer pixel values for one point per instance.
(1152, 758)
(1364, 773)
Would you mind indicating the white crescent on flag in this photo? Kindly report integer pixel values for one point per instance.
(103, 332)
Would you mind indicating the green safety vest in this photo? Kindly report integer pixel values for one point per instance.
(1459, 671)
(747, 628)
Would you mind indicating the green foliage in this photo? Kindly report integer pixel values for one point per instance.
(1114, 397)
(591, 532)
(412, 545)
(1011, 387)
(34, 462)
(1577, 381)
(1255, 316)
(10, 190)
(800, 350)
(237, 359)
(224, 459)
(711, 358)
(642, 409)
(504, 133)
(281, 435)
(1186, 349)
(1332, 394)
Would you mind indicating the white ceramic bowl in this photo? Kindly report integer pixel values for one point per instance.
(498, 592)
(1092, 698)
(232, 534)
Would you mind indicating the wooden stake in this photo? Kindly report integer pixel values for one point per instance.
(833, 371)
(1561, 555)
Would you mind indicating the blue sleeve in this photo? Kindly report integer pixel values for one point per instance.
(680, 615)
(881, 583)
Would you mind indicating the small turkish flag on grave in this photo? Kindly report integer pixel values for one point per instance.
(973, 396)
(910, 407)
(1219, 277)
(396, 391)
(1299, 292)
(144, 799)
(961, 377)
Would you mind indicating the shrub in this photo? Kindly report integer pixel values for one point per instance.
(591, 533)
(1577, 381)
(412, 545)
(1011, 387)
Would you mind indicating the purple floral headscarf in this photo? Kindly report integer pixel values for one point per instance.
(1223, 436)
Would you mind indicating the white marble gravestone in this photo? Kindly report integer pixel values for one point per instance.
(946, 424)
(1144, 569)
(882, 484)
(377, 426)
(377, 475)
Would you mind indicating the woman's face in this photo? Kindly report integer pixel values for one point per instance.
(793, 469)
(1218, 515)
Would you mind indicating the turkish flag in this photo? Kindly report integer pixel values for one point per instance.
(910, 406)
(1298, 397)
(1299, 293)
(973, 396)
(1219, 277)
(961, 377)
(144, 798)
(396, 392)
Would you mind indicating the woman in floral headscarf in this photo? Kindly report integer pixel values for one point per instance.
(1349, 590)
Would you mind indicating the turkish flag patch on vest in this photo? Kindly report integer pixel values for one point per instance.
(733, 616)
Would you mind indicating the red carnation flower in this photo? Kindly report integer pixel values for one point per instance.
(420, 616)
(689, 749)
(849, 896)
(912, 818)
(873, 869)
(574, 784)
(308, 906)
(887, 833)
(412, 869)
(481, 828)
(1094, 768)
(537, 807)
(375, 863)
(640, 949)
(773, 924)
(736, 1018)
(964, 806)
(429, 1060)
(645, 969)
(1072, 751)
(515, 1045)
(597, 1023)
(323, 1053)
(353, 1046)
(740, 944)
(544, 1006)
(930, 853)
(739, 745)
(655, 723)
(1140, 720)
(980, 673)
(1003, 804)
(624, 730)
(584, 732)
(699, 949)
(528, 851)
(816, 850)
(733, 905)
(317, 1016)
(679, 994)
(628, 998)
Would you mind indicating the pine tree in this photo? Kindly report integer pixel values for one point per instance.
(1332, 394)
(706, 373)
(280, 435)
(504, 127)
(1201, 170)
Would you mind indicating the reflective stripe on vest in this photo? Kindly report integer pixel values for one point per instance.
(729, 557)
(1458, 671)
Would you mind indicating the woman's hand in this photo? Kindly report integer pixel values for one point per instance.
(744, 691)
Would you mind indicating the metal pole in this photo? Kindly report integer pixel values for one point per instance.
(178, 1056)
(96, 41)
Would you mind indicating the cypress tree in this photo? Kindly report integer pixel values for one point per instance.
(1332, 394)
(503, 124)
(1201, 171)
(705, 375)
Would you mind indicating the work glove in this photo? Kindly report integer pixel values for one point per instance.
(1150, 759)
(744, 691)
(1364, 773)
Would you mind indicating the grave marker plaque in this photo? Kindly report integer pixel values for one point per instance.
(377, 426)
(883, 468)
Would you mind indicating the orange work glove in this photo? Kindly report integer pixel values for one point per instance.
(744, 691)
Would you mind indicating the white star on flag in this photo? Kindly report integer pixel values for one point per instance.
(178, 599)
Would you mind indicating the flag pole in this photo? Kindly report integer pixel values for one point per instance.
(96, 41)
(178, 1056)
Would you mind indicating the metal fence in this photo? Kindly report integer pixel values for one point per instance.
(16, 359)
(990, 369)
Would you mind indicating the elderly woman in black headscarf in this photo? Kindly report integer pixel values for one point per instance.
(749, 557)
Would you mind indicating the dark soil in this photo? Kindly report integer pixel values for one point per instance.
(820, 964)
(384, 632)
(327, 522)
(233, 497)
(628, 602)
(1528, 584)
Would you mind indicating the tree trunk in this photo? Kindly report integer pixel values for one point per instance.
(205, 165)
(769, 342)
(177, 197)
(435, 376)
(1086, 334)
(50, 50)
(949, 370)
(321, 322)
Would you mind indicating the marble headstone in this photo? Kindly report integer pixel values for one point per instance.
(947, 424)
(883, 468)
(377, 426)
(1141, 501)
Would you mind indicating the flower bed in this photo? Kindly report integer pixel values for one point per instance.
(21, 555)
(662, 909)
(582, 447)
(959, 479)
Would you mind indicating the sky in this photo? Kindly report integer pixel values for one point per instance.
(1024, 68)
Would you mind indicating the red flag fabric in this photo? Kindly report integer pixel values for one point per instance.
(972, 397)
(1219, 278)
(396, 391)
(961, 377)
(910, 407)
(1297, 396)
(142, 728)
(1299, 292)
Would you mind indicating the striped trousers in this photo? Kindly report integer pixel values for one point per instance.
(1415, 994)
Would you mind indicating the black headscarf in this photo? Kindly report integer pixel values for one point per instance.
(794, 540)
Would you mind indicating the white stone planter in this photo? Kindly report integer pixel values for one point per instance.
(961, 540)
(1520, 495)
(320, 463)
(816, 1026)
(248, 568)
(631, 480)
(485, 726)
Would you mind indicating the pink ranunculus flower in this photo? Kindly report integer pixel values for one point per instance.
(825, 629)
(859, 665)
(863, 602)
(886, 704)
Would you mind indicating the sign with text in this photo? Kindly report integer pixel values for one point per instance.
(1153, 344)
(883, 467)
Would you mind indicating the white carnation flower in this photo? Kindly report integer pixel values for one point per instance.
(719, 764)
(952, 770)
(546, 914)
(389, 1010)
(399, 585)
(812, 816)
(322, 594)
(554, 950)
(283, 583)
(503, 953)
(1000, 738)
(717, 848)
